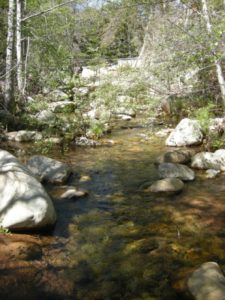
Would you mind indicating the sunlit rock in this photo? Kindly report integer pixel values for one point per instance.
(23, 136)
(187, 133)
(167, 185)
(88, 73)
(212, 173)
(124, 111)
(48, 169)
(45, 115)
(81, 92)
(99, 113)
(58, 95)
(171, 170)
(83, 141)
(24, 204)
(217, 126)
(209, 160)
(207, 282)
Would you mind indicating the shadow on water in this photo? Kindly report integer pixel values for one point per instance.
(121, 243)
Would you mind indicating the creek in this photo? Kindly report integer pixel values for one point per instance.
(120, 243)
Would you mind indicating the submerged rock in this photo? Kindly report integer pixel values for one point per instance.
(209, 160)
(74, 193)
(167, 185)
(19, 247)
(207, 282)
(178, 156)
(24, 136)
(187, 133)
(48, 169)
(163, 132)
(24, 204)
(171, 170)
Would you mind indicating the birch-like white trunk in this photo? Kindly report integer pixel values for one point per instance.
(19, 61)
(8, 101)
(219, 70)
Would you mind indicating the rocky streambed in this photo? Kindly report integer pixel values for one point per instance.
(121, 240)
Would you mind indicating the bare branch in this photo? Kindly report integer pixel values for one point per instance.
(43, 12)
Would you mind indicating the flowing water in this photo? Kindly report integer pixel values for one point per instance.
(121, 243)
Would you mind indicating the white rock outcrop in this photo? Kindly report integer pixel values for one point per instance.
(24, 204)
(187, 133)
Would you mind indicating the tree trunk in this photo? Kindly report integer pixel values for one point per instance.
(219, 70)
(8, 101)
(19, 61)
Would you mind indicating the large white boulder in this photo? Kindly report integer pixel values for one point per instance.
(209, 160)
(207, 282)
(187, 133)
(24, 204)
(171, 170)
(48, 169)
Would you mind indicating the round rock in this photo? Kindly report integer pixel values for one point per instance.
(167, 185)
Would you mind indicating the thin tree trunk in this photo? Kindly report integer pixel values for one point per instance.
(25, 66)
(8, 101)
(19, 61)
(219, 70)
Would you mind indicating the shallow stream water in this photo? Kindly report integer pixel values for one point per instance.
(120, 243)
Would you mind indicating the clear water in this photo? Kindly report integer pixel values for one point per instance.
(120, 243)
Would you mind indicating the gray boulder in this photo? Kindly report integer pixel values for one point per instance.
(187, 133)
(48, 169)
(23, 136)
(171, 170)
(167, 185)
(209, 160)
(207, 282)
(24, 204)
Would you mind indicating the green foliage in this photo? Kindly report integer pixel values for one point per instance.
(204, 114)
(96, 129)
(44, 147)
(36, 106)
(4, 230)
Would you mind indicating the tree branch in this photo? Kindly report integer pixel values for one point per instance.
(37, 14)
